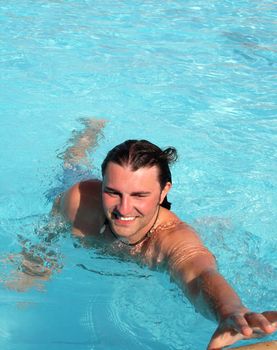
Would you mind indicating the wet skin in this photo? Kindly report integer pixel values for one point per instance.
(130, 201)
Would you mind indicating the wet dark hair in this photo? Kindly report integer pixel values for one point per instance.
(143, 154)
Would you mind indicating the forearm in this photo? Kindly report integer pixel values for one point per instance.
(212, 296)
(194, 268)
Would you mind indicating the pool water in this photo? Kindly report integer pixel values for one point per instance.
(200, 76)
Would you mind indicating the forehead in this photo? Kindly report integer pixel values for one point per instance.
(117, 176)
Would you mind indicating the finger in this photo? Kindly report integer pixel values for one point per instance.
(240, 324)
(271, 316)
(256, 320)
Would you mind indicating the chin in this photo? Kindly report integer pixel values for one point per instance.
(125, 232)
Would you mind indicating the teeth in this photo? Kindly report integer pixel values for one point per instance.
(129, 218)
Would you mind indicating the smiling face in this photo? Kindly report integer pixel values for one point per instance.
(131, 199)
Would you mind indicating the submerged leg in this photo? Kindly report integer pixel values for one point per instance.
(76, 164)
(82, 142)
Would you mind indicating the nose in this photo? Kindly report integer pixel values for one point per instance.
(124, 206)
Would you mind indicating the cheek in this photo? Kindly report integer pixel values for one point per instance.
(149, 206)
(108, 201)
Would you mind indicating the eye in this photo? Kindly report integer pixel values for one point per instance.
(140, 195)
(111, 193)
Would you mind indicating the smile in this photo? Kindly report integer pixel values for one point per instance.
(128, 218)
(118, 217)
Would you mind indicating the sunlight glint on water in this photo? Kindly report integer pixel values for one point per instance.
(196, 75)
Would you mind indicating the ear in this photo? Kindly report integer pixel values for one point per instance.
(165, 191)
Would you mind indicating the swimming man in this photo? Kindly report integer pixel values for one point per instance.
(128, 210)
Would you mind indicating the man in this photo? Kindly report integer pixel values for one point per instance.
(128, 210)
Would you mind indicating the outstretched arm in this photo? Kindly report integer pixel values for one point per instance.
(193, 267)
(235, 321)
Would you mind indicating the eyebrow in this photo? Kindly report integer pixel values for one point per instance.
(106, 188)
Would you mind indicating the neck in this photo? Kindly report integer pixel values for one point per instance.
(147, 235)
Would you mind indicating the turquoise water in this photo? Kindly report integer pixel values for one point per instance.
(199, 76)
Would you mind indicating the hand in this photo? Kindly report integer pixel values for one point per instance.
(21, 282)
(239, 326)
(29, 271)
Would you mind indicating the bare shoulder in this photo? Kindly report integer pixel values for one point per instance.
(181, 247)
(173, 231)
(83, 195)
